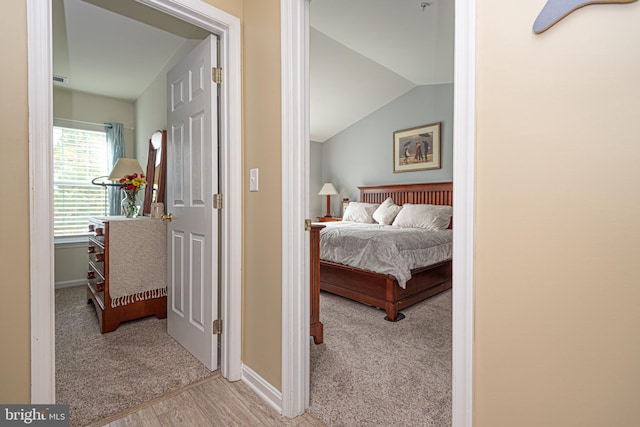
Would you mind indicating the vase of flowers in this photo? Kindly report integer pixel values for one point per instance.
(130, 185)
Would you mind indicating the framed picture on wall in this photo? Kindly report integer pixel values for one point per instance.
(417, 148)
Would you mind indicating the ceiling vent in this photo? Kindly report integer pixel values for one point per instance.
(59, 79)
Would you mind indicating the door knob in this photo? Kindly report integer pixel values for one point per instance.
(167, 217)
(307, 225)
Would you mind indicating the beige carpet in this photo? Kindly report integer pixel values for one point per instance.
(370, 372)
(99, 375)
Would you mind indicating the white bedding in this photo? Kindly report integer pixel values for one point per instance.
(384, 248)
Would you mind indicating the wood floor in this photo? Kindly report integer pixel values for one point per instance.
(210, 402)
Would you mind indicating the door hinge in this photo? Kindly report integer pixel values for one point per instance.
(216, 75)
(217, 201)
(217, 327)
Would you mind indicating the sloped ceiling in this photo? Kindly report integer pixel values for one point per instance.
(363, 53)
(114, 47)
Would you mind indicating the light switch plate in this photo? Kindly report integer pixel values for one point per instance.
(253, 179)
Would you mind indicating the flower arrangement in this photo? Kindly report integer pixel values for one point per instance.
(132, 182)
(130, 185)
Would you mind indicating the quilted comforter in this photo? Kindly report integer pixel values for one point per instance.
(384, 249)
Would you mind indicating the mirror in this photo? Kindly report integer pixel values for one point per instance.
(156, 170)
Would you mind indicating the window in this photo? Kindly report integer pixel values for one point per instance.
(78, 157)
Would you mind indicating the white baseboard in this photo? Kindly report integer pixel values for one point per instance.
(262, 388)
(70, 283)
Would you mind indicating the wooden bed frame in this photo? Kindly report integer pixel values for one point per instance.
(380, 290)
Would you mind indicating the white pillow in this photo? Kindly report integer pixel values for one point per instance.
(360, 212)
(430, 217)
(386, 212)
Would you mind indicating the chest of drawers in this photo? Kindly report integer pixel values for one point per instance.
(131, 285)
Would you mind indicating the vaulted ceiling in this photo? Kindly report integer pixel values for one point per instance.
(114, 47)
(363, 53)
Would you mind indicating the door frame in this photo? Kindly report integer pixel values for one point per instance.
(40, 101)
(295, 207)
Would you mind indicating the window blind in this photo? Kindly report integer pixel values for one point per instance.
(78, 157)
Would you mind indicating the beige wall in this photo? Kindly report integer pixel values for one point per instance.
(558, 203)
(262, 260)
(232, 7)
(14, 232)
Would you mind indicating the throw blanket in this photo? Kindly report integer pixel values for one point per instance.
(383, 248)
(137, 260)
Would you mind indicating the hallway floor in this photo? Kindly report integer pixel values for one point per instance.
(211, 402)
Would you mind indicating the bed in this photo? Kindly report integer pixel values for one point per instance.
(383, 290)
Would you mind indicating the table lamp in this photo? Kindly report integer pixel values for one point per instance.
(328, 190)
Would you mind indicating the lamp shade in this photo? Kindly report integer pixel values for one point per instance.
(124, 167)
(328, 190)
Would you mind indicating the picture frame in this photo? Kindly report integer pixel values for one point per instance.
(418, 148)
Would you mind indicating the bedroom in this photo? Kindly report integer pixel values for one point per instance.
(413, 99)
(91, 98)
(85, 40)
(392, 97)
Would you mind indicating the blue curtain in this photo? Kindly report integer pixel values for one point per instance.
(115, 150)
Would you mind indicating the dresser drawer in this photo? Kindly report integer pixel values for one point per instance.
(98, 230)
(96, 282)
(96, 254)
(96, 262)
(94, 275)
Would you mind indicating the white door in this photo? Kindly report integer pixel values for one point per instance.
(192, 179)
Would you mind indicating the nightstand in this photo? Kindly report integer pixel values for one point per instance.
(328, 219)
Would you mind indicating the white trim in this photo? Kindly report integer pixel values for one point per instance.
(295, 345)
(295, 207)
(79, 239)
(70, 283)
(231, 187)
(262, 388)
(40, 122)
(464, 174)
(40, 205)
(70, 244)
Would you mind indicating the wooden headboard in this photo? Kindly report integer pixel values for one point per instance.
(436, 193)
